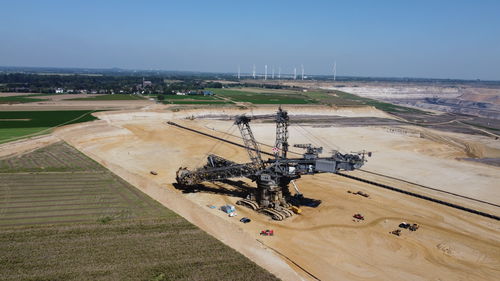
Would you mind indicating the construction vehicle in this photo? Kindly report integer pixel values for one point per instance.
(272, 176)
(404, 225)
(396, 232)
(267, 232)
(359, 217)
(296, 209)
(228, 209)
(413, 227)
(364, 194)
(245, 220)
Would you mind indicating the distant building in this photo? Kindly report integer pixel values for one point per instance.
(146, 83)
(180, 93)
(59, 90)
(208, 93)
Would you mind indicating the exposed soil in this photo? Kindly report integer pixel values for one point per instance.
(324, 241)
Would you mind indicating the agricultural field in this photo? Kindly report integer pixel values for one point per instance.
(271, 97)
(290, 96)
(110, 97)
(343, 98)
(59, 184)
(190, 97)
(65, 217)
(194, 99)
(20, 99)
(18, 124)
(208, 102)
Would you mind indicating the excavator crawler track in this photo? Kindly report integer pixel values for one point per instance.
(278, 215)
(248, 203)
(274, 214)
(287, 212)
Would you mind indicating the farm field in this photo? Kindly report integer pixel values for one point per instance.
(264, 97)
(289, 96)
(10, 134)
(189, 97)
(65, 217)
(339, 97)
(19, 99)
(19, 124)
(194, 99)
(196, 102)
(110, 97)
(59, 184)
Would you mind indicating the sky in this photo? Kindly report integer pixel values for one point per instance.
(427, 39)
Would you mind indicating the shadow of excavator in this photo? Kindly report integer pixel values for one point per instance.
(241, 190)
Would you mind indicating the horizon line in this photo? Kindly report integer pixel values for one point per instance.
(249, 73)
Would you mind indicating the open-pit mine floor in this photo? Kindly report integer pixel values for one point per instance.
(323, 242)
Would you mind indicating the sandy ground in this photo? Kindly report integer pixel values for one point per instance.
(325, 241)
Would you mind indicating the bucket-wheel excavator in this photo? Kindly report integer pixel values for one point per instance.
(273, 176)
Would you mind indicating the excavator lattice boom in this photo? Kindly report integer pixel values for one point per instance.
(273, 176)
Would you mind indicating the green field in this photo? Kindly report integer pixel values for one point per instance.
(111, 97)
(20, 99)
(332, 98)
(239, 95)
(189, 97)
(18, 124)
(197, 102)
(194, 99)
(10, 134)
(289, 96)
(284, 96)
(65, 217)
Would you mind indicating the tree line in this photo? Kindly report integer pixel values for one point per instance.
(37, 83)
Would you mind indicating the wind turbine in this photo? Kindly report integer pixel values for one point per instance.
(334, 70)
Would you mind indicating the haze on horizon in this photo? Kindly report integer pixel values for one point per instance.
(431, 39)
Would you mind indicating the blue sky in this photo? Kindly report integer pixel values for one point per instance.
(437, 39)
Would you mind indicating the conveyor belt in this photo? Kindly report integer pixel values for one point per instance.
(422, 196)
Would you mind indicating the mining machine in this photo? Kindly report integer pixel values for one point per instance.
(272, 176)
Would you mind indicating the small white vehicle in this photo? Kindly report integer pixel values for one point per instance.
(228, 209)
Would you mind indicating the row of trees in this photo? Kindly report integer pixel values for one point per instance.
(22, 82)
